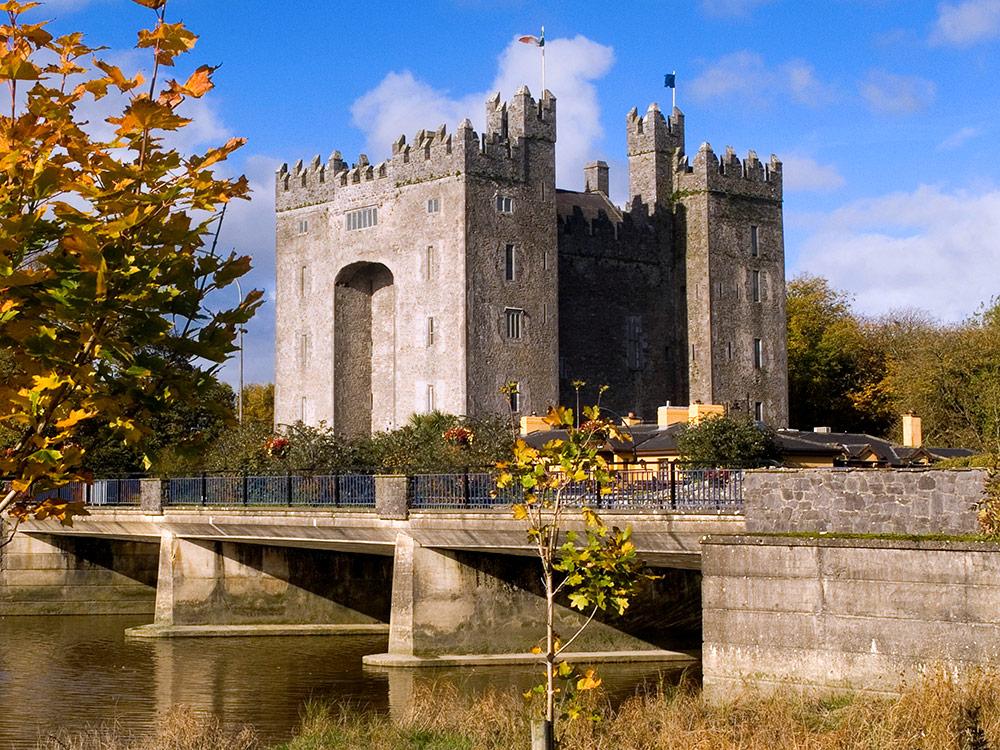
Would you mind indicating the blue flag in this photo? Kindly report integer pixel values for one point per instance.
(670, 80)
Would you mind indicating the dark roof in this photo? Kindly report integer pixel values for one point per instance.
(950, 452)
(590, 204)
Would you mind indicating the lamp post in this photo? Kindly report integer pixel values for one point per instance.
(239, 394)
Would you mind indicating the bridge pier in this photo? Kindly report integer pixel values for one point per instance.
(218, 583)
(454, 603)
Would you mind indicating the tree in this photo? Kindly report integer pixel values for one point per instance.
(107, 252)
(258, 403)
(836, 371)
(728, 442)
(596, 573)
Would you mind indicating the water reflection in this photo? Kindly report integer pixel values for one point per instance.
(73, 672)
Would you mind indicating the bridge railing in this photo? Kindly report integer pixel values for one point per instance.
(114, 492)
(337, 490)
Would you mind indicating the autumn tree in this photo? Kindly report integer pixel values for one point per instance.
(107, 251)
(595, 571)
(836, 372)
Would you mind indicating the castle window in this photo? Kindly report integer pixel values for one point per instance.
(633, 342)
(754, 242)
(430, 397)
(509, 260)
(303, 226)
(433, 205)
(513, 318)
(430, 266)
(694, 354)
(758, 354)
(545, 312)
(545, 261)
(514, 397)
(304, 349)
(303, 409)
(755, 286)
(430, 332)
(505, 204)
(729, 351)
(362, 218)
(758, 411)
(303, 281)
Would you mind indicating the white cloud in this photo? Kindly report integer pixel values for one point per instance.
(930, 248)
(401, 103)
(890, 93)
(731, 8)
(959, 138)
(966, 23)
(805, 174)
(745, 74)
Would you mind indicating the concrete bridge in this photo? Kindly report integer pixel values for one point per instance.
(440, 582)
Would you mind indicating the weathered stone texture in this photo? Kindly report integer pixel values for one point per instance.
(863, 501)
(827, 615)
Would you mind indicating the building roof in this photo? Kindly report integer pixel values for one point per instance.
(591, 205)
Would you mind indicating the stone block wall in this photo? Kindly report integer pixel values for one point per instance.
(835, 614)
(863, 501)
(43, 574)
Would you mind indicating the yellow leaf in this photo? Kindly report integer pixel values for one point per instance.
(520, 512)
(49, 382)
(74, 417)
(589, 681)
(536, 649)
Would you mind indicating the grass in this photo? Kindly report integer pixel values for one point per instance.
(937, 713)
(888, 536)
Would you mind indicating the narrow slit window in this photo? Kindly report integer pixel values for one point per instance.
(758, 411)
(430, 332)
(509, 259)
(754, 241)
(729, 351)
(303, 281)
(303, 409)
(514, 322)
(430, 397)
(755, 286)
(430, 263)
(304, 349)
(758, 354)
(514, 397)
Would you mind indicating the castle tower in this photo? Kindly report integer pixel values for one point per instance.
(729, 220)
(424, 282)
(653, 143)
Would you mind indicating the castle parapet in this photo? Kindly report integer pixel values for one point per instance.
(432, 154)
(653, 131)
(730, 174)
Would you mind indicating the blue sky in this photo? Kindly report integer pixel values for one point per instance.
(883, 111)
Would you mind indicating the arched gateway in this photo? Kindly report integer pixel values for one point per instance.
(364, 321)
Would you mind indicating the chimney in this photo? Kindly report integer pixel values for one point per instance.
(534, 423)
(631, 420)
(699, 411)
(912, 433)
(670, 415)
(595, 177)
(822, 430)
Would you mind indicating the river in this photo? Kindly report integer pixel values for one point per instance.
(77, 672)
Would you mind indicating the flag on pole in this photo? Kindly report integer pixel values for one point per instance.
(537, 41)
(670, 80)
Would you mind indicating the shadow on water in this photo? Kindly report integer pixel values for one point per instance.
(77, 672)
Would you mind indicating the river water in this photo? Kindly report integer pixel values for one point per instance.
(78, 672)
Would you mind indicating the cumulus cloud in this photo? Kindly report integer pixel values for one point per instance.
(894, 94)
(805, 174)
(959, 138)
(402, 103)
(930, 248)
(744, 73)
(966, 23)
(731, 8)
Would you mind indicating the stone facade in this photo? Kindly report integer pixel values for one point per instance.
(429, 280)
(829, 615)
(863, 501)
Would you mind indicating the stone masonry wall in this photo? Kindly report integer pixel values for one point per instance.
(863, 501)
(827, 615)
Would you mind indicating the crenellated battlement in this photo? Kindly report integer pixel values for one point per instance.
(432, 154)
(730, 174)
(653, 132)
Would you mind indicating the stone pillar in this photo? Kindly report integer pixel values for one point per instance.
(454, 602)
(153, 495)
(392, 497)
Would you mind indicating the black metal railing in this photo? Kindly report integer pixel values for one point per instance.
(458, 491)
(337, 490)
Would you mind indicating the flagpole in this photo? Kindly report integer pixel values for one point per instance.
(673, 93)
(543, 63)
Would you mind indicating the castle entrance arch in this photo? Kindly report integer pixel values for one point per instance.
(364, 353)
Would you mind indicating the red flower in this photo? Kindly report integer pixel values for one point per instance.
(460, 436)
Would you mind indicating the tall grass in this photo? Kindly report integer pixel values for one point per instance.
(937, 713)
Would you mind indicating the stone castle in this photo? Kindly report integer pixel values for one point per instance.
(431, 279)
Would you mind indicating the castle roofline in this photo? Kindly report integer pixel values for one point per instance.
(590, 204)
